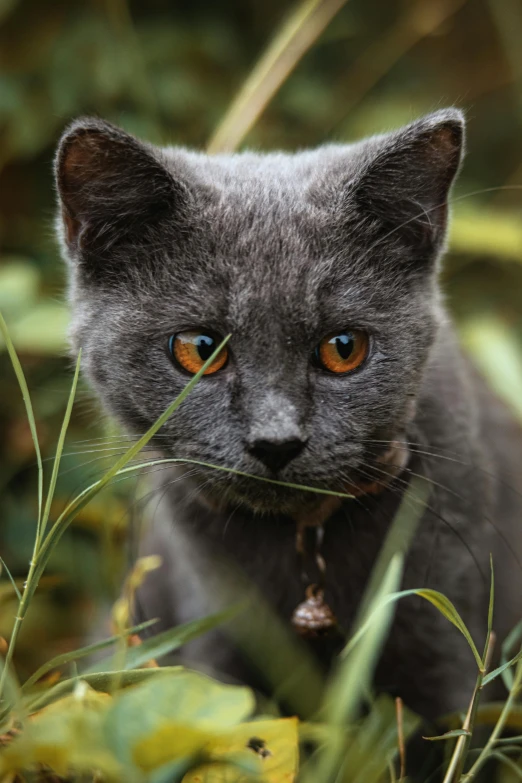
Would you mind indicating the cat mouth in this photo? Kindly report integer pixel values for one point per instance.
(262, 494)
(297, 495)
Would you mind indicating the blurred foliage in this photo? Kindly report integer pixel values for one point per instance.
(168, 71)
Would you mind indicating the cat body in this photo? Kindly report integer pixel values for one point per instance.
(309, 261)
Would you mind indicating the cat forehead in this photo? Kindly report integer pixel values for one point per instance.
(273, 170)
(270, 231)
(268, 207)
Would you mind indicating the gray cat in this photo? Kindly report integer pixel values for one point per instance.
(342, 372)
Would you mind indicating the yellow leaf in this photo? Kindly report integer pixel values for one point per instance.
(23, 753)
(170, 742)
(273, 742)
(82, 697)
(123, 607)
(67, 735)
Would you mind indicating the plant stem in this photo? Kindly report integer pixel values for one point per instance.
(28, 592)
(458, 759)
(488, 748)
(43, 546)
(456, 765)
(291, 42)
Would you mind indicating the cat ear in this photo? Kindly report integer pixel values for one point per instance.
(406, 177)
(110, 186)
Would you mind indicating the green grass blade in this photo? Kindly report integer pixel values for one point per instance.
(28, 409)
(515, 768)
(399, 537)
(297, 34)
(438, 600)
(512, 639)
(167, 641)
(100, 681)
(11, 578)
(490, 614)
(11, 688)
(449, 611)
(59, 447)
(288, 485)
(452, 734)
(86, 496)
(348, 686)
(375, 741)
(342, 701)
(491, 597)
(82, 652)
(502, 668)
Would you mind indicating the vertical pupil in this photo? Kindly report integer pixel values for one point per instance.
(344, 345)
(205, 346)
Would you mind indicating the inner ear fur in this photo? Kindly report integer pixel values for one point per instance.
(408, 175)
(110, 184)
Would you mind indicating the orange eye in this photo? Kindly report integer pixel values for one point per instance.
(343, 351)
(191, 349)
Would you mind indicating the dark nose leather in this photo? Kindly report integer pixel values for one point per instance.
(275, 454)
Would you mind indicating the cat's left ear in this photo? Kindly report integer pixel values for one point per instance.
(405, 177)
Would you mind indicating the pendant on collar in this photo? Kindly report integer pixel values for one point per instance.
(313, 619)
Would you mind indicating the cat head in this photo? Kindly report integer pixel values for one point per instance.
(321, 265)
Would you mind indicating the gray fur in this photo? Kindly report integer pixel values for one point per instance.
(279, 250)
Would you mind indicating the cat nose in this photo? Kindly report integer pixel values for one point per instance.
(276, 454)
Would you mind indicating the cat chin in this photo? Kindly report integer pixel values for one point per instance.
(269, 500)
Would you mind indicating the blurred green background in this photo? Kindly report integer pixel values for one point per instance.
(167, 70)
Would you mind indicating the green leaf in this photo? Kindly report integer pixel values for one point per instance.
(502, 669)
(447, 609)
(194, 700)
(438, 600)
(450, 735)
(168, 641)
(513, 638)
(98, 681)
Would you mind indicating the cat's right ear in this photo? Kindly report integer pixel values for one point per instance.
(111, 186)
